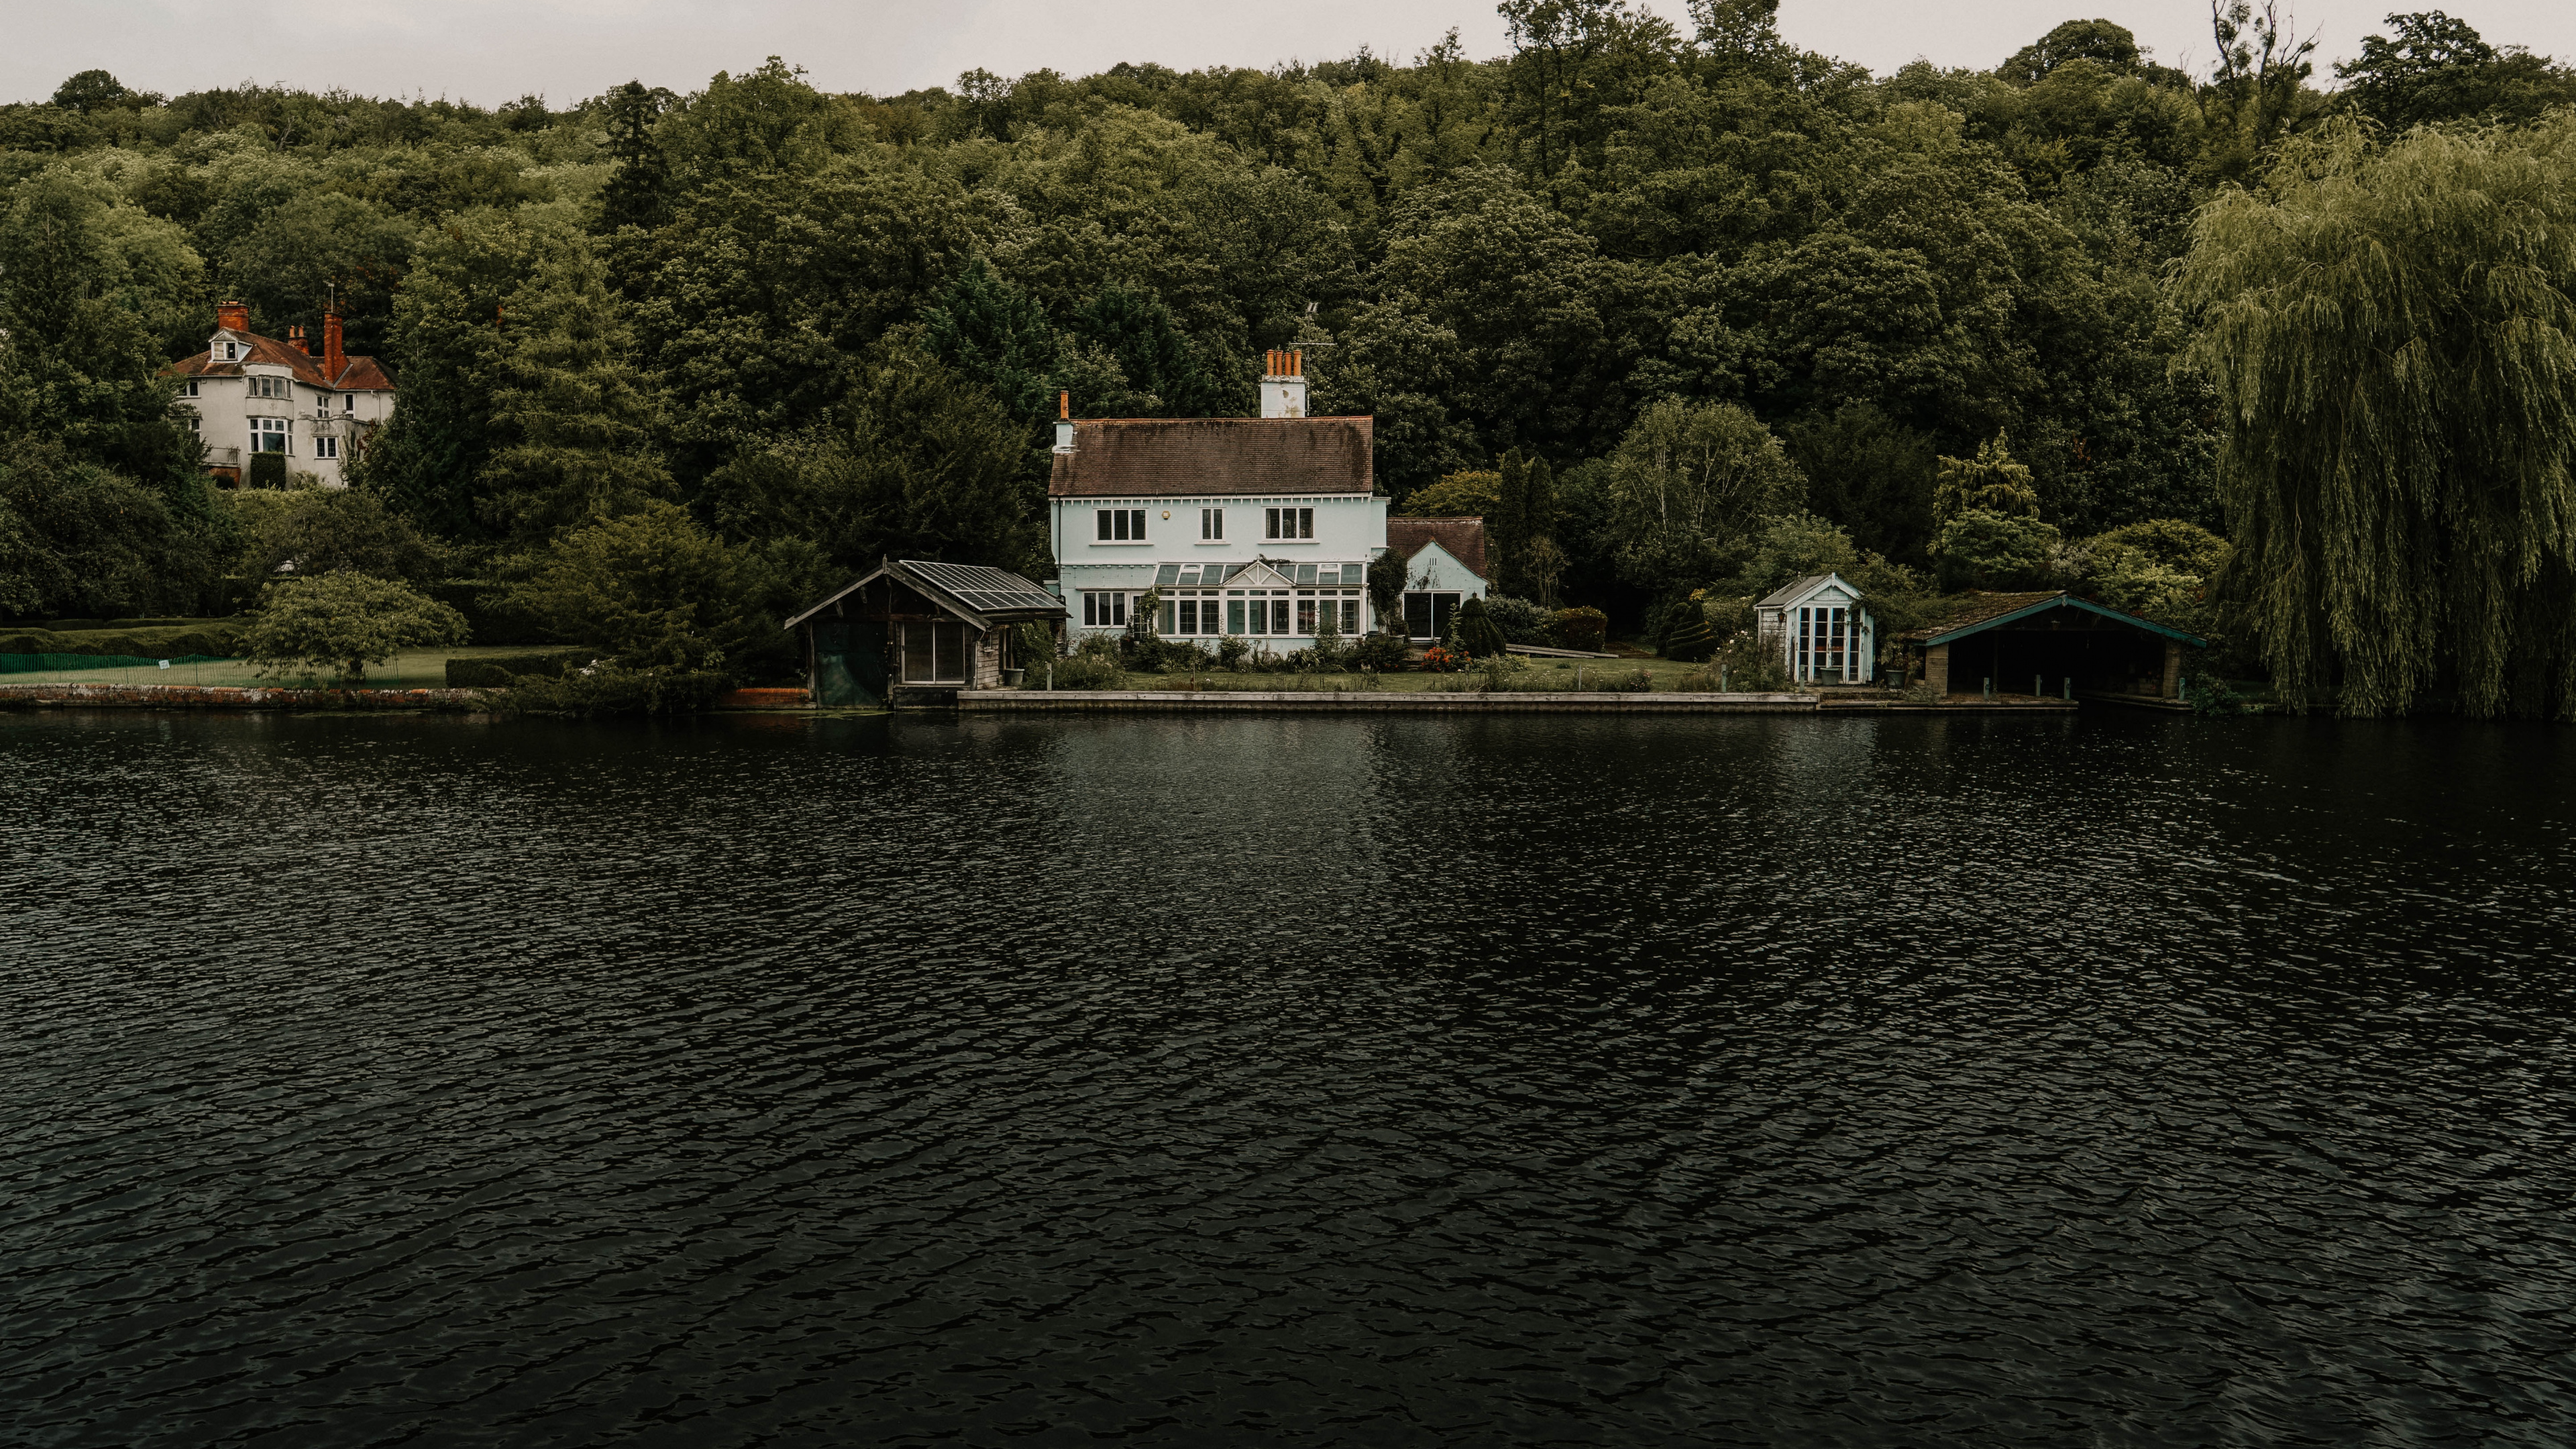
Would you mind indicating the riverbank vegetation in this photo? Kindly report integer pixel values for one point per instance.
(1683, 310)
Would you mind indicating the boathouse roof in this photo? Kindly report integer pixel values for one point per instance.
(982, 596)
(1975, 613)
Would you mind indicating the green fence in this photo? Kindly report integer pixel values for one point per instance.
(50, 663)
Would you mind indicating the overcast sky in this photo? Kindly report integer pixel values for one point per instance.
(488, 51)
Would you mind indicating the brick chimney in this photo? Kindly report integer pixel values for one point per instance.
(334, 361)
(1064, 422)
(1283, 384)
(233, 316)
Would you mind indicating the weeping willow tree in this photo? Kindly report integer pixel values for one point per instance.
(2391, 327)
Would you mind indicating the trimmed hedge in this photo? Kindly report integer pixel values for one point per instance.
(501, 671)
(192, 638)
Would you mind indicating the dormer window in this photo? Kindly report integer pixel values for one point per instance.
(232, 352)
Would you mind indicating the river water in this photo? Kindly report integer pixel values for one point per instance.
(2122, 1080)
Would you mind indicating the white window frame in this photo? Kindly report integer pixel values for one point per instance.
(1118, 525)
(1211, 525)
(272, 428)
(326, 446)
(1106, 608)
(1287, 525)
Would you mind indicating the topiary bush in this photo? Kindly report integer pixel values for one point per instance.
(1477, 633)
(1690, 637)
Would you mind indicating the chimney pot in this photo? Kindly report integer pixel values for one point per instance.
(232, 316)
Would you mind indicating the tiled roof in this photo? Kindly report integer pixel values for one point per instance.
(1464, 538)
(1188, 457)
(357, 374)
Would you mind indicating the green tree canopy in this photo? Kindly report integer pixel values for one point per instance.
(343, 622)
(2391, 331)
(1687, 483)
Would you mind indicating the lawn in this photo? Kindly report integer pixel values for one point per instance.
(410, 669)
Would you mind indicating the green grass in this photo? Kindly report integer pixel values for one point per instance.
(410, 669)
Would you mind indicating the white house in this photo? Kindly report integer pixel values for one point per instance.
(251, 394)
(1444, 565)
(1260, 527)
(1822, 632)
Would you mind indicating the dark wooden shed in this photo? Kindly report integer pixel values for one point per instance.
(2052, 644)
(915, 632)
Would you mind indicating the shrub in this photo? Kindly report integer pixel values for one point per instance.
(344, 622)
(1520, 621)
(1476, 631)
(1635, 681)
(1690, 637)
(1439, 660)
(267, 470)
(1231, 651)
(503, 670)
(1986, 550)
(1329, 651)
(612, 689)
(1583, 628)
(1381, 652)
(1092, 665)
(1748, 665)
(654, 588)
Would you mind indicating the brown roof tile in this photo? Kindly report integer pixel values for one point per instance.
(358, 374)
(1464, 538)
(1182, 457)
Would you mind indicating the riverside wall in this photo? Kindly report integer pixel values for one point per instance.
(191, 696)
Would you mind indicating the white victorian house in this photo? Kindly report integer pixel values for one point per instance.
(1260, 527)
(1822, 632)
(249, 394)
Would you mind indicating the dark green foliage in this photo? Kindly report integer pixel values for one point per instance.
(1981, 549)
(78, 538)
(638, 193)
(1138, 332)
(309, 531)
(141, 638)
(654, 589)
(996, 335)
(1477, 630)
(1581, 627)
(2100, 41)
(1871, 476)
(267, 471)
(1687, 634)
(338, 624)
(1381, 652)
(1386, 588)
(914, 462)
(1518, 620)
(612, 689)
(500, 671)
(2439, 69)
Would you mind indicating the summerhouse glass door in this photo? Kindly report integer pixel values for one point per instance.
(1824, 648)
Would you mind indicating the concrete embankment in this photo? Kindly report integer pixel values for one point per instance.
(187, 696)
(1460, 701)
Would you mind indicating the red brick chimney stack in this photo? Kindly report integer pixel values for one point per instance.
(232, 316)
(334, 361)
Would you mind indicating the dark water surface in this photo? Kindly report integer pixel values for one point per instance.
(2116, 1081)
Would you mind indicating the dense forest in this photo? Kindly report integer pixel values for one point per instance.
(2279, 348)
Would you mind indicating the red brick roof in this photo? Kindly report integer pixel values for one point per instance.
(1464, 538)
(1187, 457)
(357, 374)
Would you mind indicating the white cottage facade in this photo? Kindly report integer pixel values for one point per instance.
(247, 395)
(1821, 631)
(1259, 527)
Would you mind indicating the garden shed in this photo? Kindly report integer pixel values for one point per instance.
(2051, 643)
(916, 632)
(1820, 631)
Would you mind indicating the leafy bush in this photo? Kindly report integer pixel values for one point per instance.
(613, 689)
(1582, 628)
(1231, 651)
(654, 589)
(1635, 681)
(500, 671)
(1329, 651)
(1476, 631)
(1438, 660)
(209, 639)
(1381, 652)
(1981, 549)
(344, 622)
(267, 470)
(1748, 665)
(1520, 621)
(1093, 664)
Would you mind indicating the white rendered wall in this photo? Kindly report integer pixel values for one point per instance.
(1349, 528)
